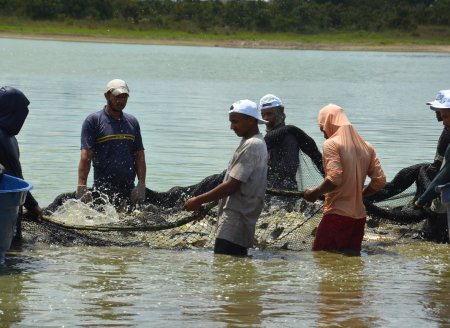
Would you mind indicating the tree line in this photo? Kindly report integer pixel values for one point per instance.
(296, 16)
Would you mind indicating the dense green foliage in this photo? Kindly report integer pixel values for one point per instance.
(297, 16)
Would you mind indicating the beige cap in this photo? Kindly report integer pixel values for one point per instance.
(117, 87)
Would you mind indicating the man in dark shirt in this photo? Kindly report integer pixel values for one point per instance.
(284, 143)
(112, 141)
(13, 112)
(421, 174)
(436, 227)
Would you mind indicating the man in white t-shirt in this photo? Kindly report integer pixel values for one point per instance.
(242, 192)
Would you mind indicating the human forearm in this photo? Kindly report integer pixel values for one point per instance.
(30, 202)
(221, 191)
(430, 193)
(138, 192)
(141, 166)
(84, 166)
(326, 186)
(83, 172)
(369, 190)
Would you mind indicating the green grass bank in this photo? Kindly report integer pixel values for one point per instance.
(425, 38)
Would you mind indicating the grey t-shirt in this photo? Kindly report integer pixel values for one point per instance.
(240, 211)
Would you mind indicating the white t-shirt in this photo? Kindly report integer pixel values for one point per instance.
(240, 211)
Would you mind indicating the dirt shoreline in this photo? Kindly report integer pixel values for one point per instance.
(233, 43)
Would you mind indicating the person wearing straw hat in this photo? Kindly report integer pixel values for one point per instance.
(436, 228)
(242, 191)
(111, 140)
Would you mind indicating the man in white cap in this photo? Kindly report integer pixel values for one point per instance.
(242, 192)
(112, 141)
(436, 228)
(284, 143)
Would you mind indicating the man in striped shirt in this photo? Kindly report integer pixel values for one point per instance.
(111, 140)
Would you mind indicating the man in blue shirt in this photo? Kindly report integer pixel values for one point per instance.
(111, 140)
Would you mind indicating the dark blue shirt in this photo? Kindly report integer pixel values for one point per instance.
(114, 143)
(13, 112)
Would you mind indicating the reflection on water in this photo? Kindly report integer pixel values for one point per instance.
(123, 286)
(109, 290)
(237, 288)
(343, 302)
(12, 294)
(436, 301)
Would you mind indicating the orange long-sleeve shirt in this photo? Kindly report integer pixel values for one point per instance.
(348, 160)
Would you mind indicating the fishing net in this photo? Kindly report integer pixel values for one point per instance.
(287, 221)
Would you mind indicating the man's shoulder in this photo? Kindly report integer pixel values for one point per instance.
(96, 115)
(129, 117)
(257, 139)
(255, 146)
(286, 132)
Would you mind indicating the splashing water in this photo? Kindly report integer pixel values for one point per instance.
(75, 212)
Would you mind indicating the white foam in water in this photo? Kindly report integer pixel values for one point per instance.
(75, 212)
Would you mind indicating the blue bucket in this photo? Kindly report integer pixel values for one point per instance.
(13, 192)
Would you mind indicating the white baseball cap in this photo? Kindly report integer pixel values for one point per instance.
(443, 103)
(117, 87)
(270, 101)
(441, 94)
(247, 107)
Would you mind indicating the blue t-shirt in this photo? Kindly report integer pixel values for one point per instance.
(114, 143)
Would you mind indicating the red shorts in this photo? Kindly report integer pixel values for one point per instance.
(339, 233)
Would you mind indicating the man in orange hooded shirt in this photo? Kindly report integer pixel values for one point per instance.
(348, 160)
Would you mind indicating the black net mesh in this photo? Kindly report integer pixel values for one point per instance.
(287, 221)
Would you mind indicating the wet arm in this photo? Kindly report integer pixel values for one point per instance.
(221, 191)
(441, 178)
(141, 167)
(311, 195)
(376, 174)
(84, 166)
